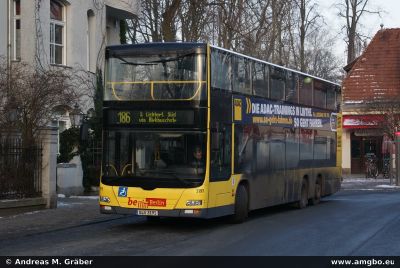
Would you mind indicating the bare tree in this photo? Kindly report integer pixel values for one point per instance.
(168, 24)
(352, 11)
(146, 28)
(29, 95)
(194, 18)
(319, 58)
(272, 30)
(308, 17)
(158, 22)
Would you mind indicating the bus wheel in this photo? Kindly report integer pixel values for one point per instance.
(317, 194)
(241, 205)
(302, 203)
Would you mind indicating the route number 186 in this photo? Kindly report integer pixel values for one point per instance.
(124, 117)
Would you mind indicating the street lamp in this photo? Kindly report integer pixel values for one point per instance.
(76, 116)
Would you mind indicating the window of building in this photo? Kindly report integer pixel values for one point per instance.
(16, 32)
(91, 55)
(57, 40)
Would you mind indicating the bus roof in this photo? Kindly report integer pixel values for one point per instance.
(272, 64)
(171, 46)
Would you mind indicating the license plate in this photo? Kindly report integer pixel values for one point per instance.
(147, 212)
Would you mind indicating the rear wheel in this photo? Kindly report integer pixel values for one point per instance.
(375, 172)
(302, 203)
(317, 194)
(241, 205)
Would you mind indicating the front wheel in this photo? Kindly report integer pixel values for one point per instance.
(241, 205)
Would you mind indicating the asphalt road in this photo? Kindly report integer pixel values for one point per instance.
(352, 222)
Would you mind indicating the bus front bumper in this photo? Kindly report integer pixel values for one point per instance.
(205, 213)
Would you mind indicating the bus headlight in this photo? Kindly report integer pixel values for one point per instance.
(104, 199)
(191, 203)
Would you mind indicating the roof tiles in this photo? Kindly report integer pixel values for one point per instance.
(376, 73)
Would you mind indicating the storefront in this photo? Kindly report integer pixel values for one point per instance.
(364, 136)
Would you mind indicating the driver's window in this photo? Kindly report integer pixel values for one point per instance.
(220, 154)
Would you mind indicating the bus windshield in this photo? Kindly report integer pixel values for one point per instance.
(172, 76)
(155, 155)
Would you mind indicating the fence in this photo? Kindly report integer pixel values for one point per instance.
(20, 170)
(93, 156)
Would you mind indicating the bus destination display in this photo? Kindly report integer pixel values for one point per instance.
(166, 117)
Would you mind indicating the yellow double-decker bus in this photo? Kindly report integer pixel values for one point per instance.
(193, 130)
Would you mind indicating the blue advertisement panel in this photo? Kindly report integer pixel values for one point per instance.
(252, 110)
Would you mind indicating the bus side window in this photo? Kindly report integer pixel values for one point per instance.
(220, 152)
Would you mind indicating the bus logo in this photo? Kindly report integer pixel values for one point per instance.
(148, 202)
(249, 109)
(122, 191)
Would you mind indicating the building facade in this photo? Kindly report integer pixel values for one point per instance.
(370, 89)
(67, 34)
(62, 33)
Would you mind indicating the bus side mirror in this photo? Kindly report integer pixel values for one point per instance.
(84, 132)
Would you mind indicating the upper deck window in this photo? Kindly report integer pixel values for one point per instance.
(170, 76)
(241, 75)
(260, 79)
(277, 77)
(221, 70)
(319, 94)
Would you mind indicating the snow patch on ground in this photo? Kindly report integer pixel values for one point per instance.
(388, 186)
(92, 197)
(67, 205)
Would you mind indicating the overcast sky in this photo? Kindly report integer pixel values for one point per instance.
(390, 18)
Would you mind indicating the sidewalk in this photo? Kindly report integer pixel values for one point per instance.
(359, 182)
(71, 211)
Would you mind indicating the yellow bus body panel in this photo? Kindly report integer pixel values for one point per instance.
(160, 198)
(222, 193)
